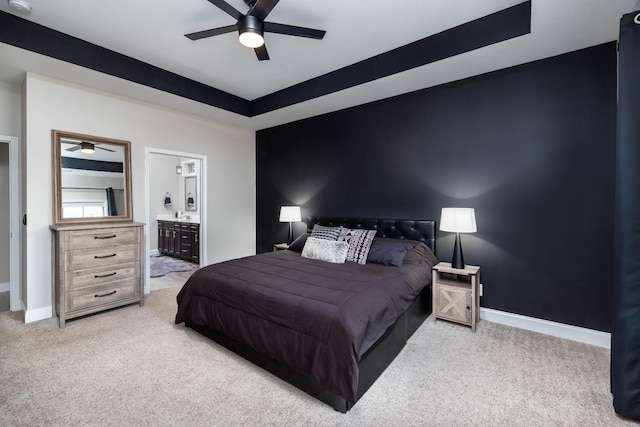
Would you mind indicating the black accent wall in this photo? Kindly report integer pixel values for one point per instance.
(531, 148)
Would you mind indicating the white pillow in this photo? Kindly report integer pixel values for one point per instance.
(325, 250)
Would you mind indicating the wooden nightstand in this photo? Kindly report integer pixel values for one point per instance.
(280, 247)
(455, 294)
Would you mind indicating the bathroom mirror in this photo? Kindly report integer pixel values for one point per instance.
(91, 179)
(190, 192)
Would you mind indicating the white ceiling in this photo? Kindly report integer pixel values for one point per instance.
(153, 31)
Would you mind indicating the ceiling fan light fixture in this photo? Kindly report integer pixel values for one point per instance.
(251, 40)
(19, 6)
(251, 30)
(87, 147)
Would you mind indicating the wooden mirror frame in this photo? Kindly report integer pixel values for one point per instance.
(56, 137)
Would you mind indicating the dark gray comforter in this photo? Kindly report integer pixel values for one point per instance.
(314, 316)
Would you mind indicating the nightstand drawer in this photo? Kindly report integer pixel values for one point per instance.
(100, 295)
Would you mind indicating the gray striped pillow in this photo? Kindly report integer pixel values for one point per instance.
(326, 233)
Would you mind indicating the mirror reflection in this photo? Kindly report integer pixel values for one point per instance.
(190, 191)
(92, 178)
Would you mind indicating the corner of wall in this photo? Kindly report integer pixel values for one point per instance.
(38, 314)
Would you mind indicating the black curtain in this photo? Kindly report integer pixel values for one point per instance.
(111, 203)
(625, 332)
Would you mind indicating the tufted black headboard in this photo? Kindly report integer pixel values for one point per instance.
(421, 230)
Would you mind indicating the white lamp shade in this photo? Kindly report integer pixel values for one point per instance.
(458, 220)
(290, 214)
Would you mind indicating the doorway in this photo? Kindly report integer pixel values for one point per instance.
(175, 184)
(9, 228)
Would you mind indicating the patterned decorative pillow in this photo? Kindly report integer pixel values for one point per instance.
(326, 233)
(345, 235)
(325, 250)
(359, 245)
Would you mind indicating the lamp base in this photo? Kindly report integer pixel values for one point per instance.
(290, 238)
(458, 260)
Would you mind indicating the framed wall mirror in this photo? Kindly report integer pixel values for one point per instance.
(190, 194)
(91, 179)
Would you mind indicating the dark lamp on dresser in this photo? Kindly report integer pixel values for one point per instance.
(458, 220)
(290, 214)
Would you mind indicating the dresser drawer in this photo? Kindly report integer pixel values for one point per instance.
(98, 238)
(100, 295)
(101, 257)
(97, 276)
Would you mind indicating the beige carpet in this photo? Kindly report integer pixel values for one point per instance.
(5, 302)
(169, 280)
(133, 367)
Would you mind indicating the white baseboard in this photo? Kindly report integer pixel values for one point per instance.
(561, 330)
(5, 287)
(154, 252)
(38, 314)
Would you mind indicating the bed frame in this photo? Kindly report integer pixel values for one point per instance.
(384, 351)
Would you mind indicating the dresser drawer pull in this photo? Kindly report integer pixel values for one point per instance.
(103, 256)
(104, 295)
(104, 237)
(97, 276)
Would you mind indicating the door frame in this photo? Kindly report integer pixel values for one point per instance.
(148, 151)
(14, 221)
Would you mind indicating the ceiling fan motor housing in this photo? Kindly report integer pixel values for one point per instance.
(250, 24)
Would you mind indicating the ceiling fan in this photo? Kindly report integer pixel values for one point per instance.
(86, 147)
(251, 27)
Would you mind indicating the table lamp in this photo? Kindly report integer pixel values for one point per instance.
(290, 214)
(458, 220)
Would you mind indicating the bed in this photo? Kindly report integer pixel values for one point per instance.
(330, 329)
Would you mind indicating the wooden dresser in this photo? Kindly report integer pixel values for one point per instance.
(96, 267)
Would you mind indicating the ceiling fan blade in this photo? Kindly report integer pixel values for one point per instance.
(292, 30)
(262, 8)
(226, 7)
(212, 32)
(75, 148)
(105, 149)
(261, 53)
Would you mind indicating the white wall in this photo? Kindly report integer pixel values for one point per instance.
(53, 104)
(4, 216)
(162, 170)
(10, 109)
(10, 125)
